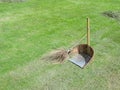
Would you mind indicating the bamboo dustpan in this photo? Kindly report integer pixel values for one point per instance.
(84, 53)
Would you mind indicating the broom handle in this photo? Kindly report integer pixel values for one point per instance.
(88, 31)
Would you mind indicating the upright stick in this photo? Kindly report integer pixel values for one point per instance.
(88, 31)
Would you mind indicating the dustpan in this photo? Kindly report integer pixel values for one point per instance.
(84, 52)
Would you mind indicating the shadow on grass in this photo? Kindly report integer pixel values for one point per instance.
(112, 14)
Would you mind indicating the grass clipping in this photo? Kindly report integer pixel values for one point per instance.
(56, 56)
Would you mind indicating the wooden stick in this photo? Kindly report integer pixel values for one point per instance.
(88, 31)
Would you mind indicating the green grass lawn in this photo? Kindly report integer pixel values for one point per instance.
(32, 28)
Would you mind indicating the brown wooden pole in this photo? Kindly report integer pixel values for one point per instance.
(88, 31)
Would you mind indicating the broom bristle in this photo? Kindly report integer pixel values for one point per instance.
(56, 56)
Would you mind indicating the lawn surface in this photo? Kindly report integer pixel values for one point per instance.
(32, 28)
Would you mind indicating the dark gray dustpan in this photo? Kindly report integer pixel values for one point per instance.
(84, 53)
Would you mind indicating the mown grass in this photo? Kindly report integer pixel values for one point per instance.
(32, 28)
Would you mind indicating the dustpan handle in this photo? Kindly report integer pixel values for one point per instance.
(88, 31)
